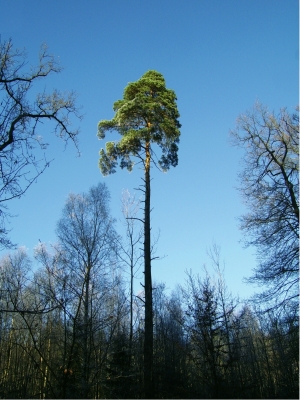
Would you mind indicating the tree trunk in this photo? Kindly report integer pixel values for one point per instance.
(85, 367)
(148, 343)
(131, 302)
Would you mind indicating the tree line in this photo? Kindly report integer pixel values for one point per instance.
(73, 326)
(67, 330)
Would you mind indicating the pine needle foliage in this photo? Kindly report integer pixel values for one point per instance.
(147, 114)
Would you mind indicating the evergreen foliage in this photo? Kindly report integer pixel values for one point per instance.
(146, 114)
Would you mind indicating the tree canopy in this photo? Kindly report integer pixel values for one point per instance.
(146, 114)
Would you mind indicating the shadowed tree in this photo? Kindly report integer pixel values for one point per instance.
(147, 115)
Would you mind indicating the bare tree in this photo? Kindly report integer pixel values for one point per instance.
(21, 146)
(129, 254)
(88, 244)
(27, 312)
(269, 185)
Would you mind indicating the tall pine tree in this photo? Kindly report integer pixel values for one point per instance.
(147, 115)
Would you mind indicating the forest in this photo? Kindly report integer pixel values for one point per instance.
(72, 322)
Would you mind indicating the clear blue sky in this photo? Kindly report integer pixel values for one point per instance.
(219, 56)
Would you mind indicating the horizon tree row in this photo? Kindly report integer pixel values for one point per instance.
(72, 329)
(200, 349)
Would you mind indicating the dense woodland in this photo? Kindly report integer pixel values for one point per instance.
(74, 319)
(66, 332)
(74, 329)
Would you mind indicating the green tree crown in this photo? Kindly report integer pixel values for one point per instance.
(147, 114)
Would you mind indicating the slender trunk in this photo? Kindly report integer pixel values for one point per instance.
(148, 343)
(6, 367)
(85, 369)
(131, 304)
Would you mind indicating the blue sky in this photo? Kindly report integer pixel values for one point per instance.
(219, 56)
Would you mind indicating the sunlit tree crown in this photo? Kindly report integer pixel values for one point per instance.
(147, 114)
